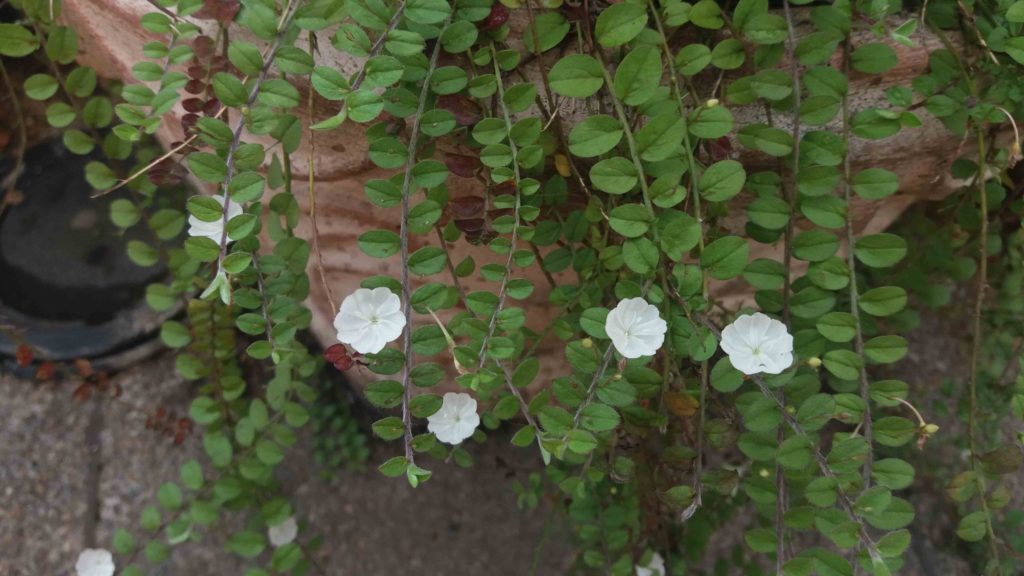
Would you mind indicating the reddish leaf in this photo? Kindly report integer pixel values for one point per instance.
(720, 148)
(188, 122)
(466, 207)
(195, 86)
(463, 165)
(203, 47)
(194, 105)
(223, 11)
(211, 107)
(467, 112)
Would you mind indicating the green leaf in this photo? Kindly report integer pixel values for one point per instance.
(843, 364)
(576, 76)
(456, 39)
(707, 14)
(692, 59)
(427, 260)
(838, 326)
(1005, 459)
(638, 76)
(18, 41)
(873, 58)
(630, 220)
(816, 411)
(620, 23)
(766, 29)
(247, 543)
(769, 212)
(883, 301)
(885, 349)
(722, 180)
(875, 183)
(894, 431)
(427, 11)
(599, 418)
(893, 473)
(614, 175)
(169, 496)
(207, 167)
(545, 32)
(726, 257)
(815, 245)
(881, 250)
(728, 54)
(678, 233)
(660, 137)
(973, 527)
(711, 123)
(593, 136)
(40, 86)
(379, 243)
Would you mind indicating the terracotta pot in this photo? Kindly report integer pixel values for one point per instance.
(112, 41)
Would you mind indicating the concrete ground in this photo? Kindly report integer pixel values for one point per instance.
(72, 473)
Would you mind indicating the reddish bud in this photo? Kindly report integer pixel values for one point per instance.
(344, 363)
(83, 367)
(46, 371)
(494, 20)
(335, 352)
(23, 355)
(82, 393)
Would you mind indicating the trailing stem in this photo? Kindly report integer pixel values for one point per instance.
(404, 233)
(979, 303)
(851, 263)
(694, 194)
(514, 150)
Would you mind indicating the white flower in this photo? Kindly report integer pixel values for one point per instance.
(456, 420)
(213, 230)
(283, 533)
(636, 328)
(369, 319)
(655, 566)
(757, 343)
(94, 562)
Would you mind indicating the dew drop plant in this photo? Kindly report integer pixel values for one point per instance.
(617, 146)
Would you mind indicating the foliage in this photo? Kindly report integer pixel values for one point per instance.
(630, 200)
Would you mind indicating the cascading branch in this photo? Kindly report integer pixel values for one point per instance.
(614, 172)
